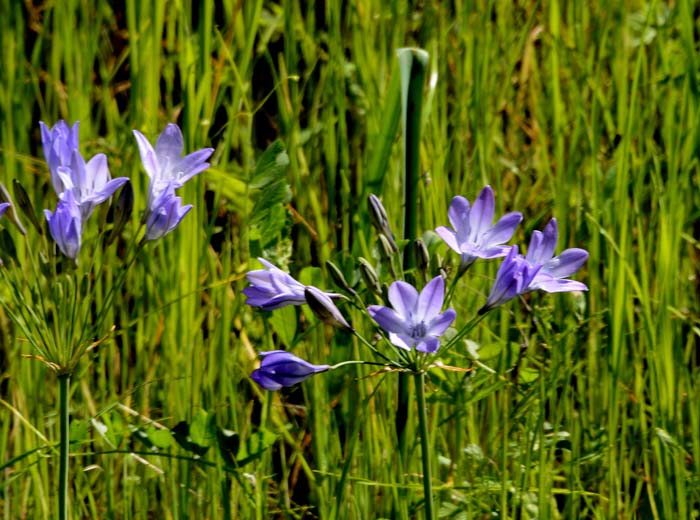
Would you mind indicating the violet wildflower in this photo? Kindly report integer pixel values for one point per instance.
(554, 269)
(272, 288)
(280, 368)
(165, 164)
(415, 320)
(324, 308)
(90, 182)
(59, 143)
(65, 225)
(4, 207)
(513, 278)
(473, 235)
(164, 214)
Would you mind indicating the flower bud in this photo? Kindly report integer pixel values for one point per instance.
(10, 210)
(123, 207)
(25, 204)
(422, 255)
(369, 276)
(339, 278)
(380, 221)
(324, 308)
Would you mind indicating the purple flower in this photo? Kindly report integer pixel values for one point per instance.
(474, 236)
(65, 225)
(165, 214)
(165, 164)
(59, 143)
(324, 308)
(272, 288)
(415, 320)
(280, 368)
(513, 278)
(554, 269)
(90, 183)
(4, 207)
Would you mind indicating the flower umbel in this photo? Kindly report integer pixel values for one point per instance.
(65, 225)
(415, 320)
(272, 288)
(473, 235)
(555, 269)
(280, 368)
(513, 278)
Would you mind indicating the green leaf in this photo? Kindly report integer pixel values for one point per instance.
(271, 165)
(203, 429)
(159, 437)
(255, 446)
(79, 431)
(284, 321)
(528, 375)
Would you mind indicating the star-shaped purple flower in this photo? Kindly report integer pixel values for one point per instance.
(65, 225)
(165, 164)
(514, 277)
(272, 288)
(473, 235)
(554, 269)
(90, 182)
(280, 368)
(415, 320)
(165, 214)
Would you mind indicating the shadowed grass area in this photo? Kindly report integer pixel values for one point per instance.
(579, 405)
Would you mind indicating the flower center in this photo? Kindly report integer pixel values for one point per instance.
(418, 330)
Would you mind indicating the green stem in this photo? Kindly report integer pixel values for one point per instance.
(413, 64)
(424, 445)
(64, 436)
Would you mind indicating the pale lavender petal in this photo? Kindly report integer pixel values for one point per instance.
(107, 190)
(192, 164)
(566, 263)
(481, 215)
(534, 250)
(549, 241)
(169, 145)
(403, 298)
(491, 252)
(428, 345)
(449, 237)
(503, 230)
(458, 213)
(148, 154)
(552, 285)
(97, 172)
(430, 300)
(389, 319)
(439, 324)
(403, 341)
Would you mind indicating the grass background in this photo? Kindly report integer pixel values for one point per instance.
(587, 111)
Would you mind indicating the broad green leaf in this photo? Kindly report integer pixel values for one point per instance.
(284, 321)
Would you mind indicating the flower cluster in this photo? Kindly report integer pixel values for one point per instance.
(82, 185)
(415, 321)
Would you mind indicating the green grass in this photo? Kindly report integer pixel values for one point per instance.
(587, 112)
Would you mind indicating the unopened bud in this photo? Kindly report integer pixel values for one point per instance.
(369, 276)
(380, 221)
(324, 308)
(339, 278)
(422, 255)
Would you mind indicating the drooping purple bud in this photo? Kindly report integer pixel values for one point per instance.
(280, 368)
(65, 225)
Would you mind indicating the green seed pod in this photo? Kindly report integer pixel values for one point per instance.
(339, 278)
(380, 221)
(422, 256)
(369, 276)
(123, 207)
(324, 308)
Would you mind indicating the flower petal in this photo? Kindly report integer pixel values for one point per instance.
(389, 319)
(458, 213)
(169, 146)
(566, 263)
(429, 345)
(481, 215)
(503, 230)
(449, 236)
(431, 299)
(439, 324)
(553, 285)
(403, 341)
(148, 154)
(403, 297)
